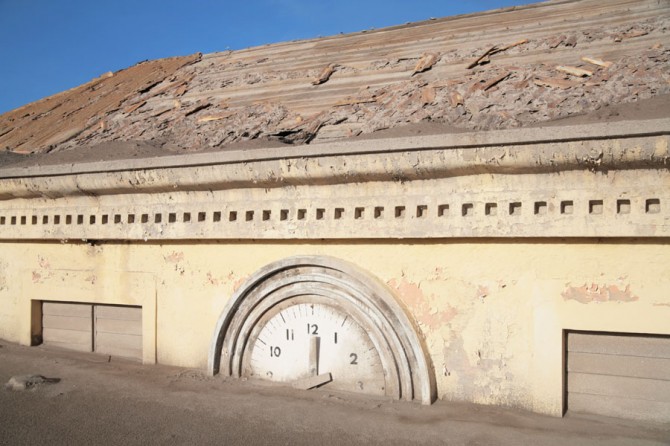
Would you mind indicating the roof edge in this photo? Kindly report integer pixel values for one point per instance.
(444, 141)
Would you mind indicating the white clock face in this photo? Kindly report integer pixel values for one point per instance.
(297, 341)
(316, 321)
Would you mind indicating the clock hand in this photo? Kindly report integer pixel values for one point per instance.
(312, 381)
(314, 344)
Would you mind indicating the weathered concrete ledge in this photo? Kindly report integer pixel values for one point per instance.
(615, 145)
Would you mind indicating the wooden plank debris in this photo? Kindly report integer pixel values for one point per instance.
(556, 41)
(496, 81)
(197, 107)
(512, 45)
(177, 84)
(455, 99)
(304, 131)
(571, 41)
(209, 118)
(425, 63)
(485, 58)
(242, 82)
(594, 61)
(427, 95)
(134, 107)
(181, 89)
(579, 72)
(324, 75)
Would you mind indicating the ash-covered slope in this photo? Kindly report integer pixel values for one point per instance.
(506, 68)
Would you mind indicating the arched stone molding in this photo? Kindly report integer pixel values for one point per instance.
(408, 371)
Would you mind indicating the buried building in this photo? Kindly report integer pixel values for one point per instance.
(474, 208)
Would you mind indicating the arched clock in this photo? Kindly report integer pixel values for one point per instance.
(321, 322)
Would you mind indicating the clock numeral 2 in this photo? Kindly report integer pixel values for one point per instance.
(354, 359)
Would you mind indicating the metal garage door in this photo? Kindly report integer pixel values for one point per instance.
(109, 329)
(118, 331)
(625, 376)
(68, 325)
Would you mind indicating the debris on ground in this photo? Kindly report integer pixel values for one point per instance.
(594, 61)
(575, 71)
(426, 62)
(26, 382)
(486, 57)
(496, 81)
(324, 75)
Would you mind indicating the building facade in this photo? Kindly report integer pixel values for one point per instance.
(526, 267)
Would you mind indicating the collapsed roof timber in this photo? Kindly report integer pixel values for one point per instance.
(518, 67)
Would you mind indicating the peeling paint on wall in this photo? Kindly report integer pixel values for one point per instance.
(599, 293)
(422, 307)
(490, 314)
(176, 257)
(211, 280)
(239, 282)
(482, 292)
(37, 277)
(43, 262)
(44, 272)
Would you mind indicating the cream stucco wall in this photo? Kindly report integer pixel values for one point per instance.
(492, 312)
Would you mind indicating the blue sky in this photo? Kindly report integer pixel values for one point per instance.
(47, 46)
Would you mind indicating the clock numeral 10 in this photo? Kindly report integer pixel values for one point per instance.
(275, 352)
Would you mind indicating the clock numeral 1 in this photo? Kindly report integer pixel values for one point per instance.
(336, 337)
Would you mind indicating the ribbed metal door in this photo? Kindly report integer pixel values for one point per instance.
(68, 325)
(626, 376)
(109, 329)
(118, 331)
